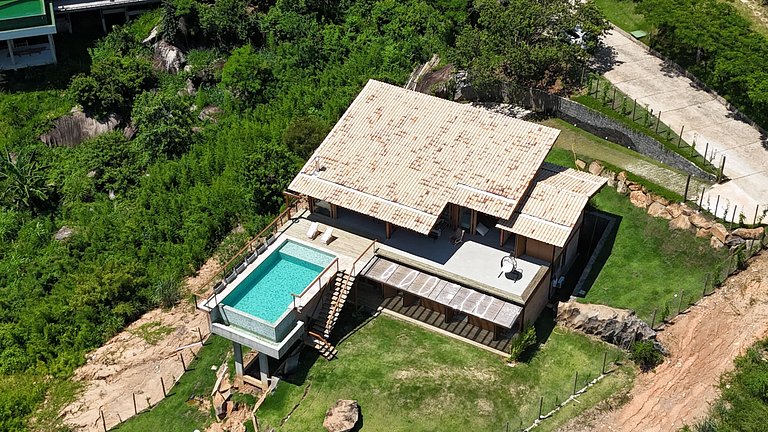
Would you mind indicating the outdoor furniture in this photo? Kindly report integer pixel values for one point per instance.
(219, 287)
(252, 257)
(261, 249)
(270, 239)
(327, 235)
(508, 265)
(241, 268)
(481, 229)
(458, 237)
(312, 231)
(231, 278)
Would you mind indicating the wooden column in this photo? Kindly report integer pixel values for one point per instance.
(311, 204)
(473, 222)
(388, 228)
(334, 211)
(519, 245)
(454, 215)
(53, 48)
(501, 237)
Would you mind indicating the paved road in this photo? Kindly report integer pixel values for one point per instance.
(644, 77)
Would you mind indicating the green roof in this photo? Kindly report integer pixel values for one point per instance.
(21, 14)
(14, 9)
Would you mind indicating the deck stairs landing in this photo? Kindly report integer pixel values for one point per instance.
(330, 309)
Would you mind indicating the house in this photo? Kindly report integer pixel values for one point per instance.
(420, 206)
(27, 26)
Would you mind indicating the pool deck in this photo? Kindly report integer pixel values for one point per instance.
(477, 259)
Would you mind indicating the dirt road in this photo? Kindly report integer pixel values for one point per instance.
(134, 361)
(703, 344)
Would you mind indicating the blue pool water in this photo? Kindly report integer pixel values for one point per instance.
(266, 292)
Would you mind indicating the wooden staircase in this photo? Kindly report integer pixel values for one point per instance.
(332, 304)
(325, 348)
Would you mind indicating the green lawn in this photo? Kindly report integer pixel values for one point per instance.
(648, 264)
(175, 413)
(409, 379)
(622, 13)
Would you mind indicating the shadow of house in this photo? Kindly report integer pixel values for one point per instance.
(595, 246)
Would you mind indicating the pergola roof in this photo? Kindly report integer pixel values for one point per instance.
(452, 295)
(402, 156)
(553, 205)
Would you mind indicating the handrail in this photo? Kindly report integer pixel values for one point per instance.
(359, 257)
(317, 279)
(250, 245)
(317, 336)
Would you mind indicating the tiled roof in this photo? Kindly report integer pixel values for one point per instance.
(401, 156)
(554, 204)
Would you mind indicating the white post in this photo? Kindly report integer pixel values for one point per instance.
(53, 48)
(10, 50)
(264, 369)
(238, 358)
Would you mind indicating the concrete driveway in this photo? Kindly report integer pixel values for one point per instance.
(644, 77)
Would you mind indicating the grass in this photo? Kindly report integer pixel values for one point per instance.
(176, 412)
(628, 115)
(406, 378)
(648, 264)
(574, 142)
(623, 14)
(152, 332)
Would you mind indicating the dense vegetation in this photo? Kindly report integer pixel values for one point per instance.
(718, 45)
(743, 404)
(145, 211)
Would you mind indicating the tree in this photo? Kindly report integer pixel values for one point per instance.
(22, 182)
(163, 124)
(246, 75)
(268, 169)
(112, 85)
(528, 42)
(304, 134)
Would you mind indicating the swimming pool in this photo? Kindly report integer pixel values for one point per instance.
(265, 293)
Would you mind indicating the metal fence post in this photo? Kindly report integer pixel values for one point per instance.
(633, 110)
(722, 166)
(605, 358)
(680, 303)
(701, 199)
(687, 183)
(135, 411)
(183, 365)
(680, 137)
(103, 422)
(658, 119)
(706, 282)
(757, 209)
(541, 405)
(575, 381)
(162, 384)
(653, 319)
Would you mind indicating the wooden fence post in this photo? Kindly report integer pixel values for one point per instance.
(575, 381)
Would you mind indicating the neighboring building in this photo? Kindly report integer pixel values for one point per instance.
(27, 26)
(474, 230)
(26, 33)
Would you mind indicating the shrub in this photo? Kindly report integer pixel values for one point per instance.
(524, 340)
(645, 355)
(167, 291)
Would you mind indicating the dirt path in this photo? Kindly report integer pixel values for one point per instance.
(134, 361)
(703, 344)
(705, 119)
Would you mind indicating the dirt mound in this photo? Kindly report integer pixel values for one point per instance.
(133, 362)
(703, 344)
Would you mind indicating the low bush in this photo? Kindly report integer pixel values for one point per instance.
(645, 355)
(524, 340)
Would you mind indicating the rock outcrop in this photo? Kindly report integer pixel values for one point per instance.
(76, 127)
(619, 327)
(342, 416)
(680, 223)
(657, 209)
(168, 58)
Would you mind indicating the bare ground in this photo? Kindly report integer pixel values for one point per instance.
(128, 364)
(703, 343)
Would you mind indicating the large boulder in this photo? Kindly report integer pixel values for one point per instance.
(681, 222)
(595, 168)
(699, 221)
(621, 186)
(749, 233)
(658, 198)
(342, 416)
(168, 58)
(716, 243)
(619, 327)
(638, 198)
(718, 230)
(76, 127)
(610, 176)
(675, 209)
(657, 209)
(580, 164)
(702, 232)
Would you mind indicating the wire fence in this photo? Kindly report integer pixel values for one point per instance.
(735, 262)
(169, 371)
(650, 122)
(549, 403)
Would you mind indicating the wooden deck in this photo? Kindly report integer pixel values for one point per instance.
(459, 326)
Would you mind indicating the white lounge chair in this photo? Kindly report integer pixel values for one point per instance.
(327, 235)
(312, 231)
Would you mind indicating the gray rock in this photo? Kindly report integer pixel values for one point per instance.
(64, 233)
(342, 416)
(464, 90)
(210, 112)
(153, 36)
(733, 241)
(168, 58)
(619, 327)
(76, 127)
